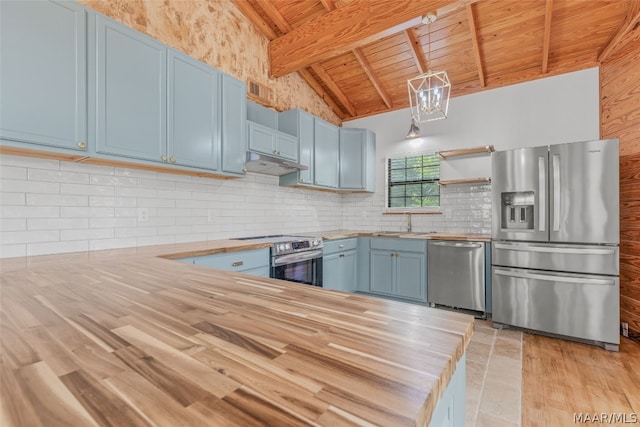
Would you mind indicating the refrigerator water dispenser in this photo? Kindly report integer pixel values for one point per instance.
(517, 210)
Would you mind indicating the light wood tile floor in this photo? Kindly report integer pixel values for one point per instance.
(516, 379)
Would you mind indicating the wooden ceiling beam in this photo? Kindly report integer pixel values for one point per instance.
(416, 51)
(546, 41)
(343, 29)
(366, 66)
(333, 87)
(476, 46)
(326, 96)
(255, 18)
(630, 21)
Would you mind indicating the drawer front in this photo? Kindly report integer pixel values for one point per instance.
(236, 261)
(341, 245)
(408, 245)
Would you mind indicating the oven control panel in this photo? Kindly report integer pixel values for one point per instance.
(281, 248)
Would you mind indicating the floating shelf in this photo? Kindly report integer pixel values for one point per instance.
(465, 181)
(466, 151)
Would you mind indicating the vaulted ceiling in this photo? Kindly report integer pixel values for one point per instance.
(358, 54)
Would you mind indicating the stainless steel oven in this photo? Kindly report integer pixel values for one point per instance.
(295, 258)
(303, 267)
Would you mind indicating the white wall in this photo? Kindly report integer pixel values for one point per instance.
(50, 206)
(553, 110)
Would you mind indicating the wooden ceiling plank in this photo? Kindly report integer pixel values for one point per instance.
(476, 46)
(308, 77)
(546, 41)
(255, 18)
(372, 76)
(333, 87)
(344, 29)
(630, 21)
(416, 51)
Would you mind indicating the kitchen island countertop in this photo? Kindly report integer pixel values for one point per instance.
(128, 337)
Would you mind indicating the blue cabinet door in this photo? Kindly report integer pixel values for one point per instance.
(287, 146)
(326, 154)
(410, 277)
(306, 153)
(352, 161)
(130, 91)
(262, 139)
(193, 120)
(382, 268)
(339, 271)
(234, 125)
(43, 73)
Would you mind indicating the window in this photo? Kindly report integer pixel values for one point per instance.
(413, 182)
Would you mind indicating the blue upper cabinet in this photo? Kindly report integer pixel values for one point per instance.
(326, 153)
(43, 73)
(234, 125)
(301, 124)
(131, 82)
(193, 121)
(357, 159)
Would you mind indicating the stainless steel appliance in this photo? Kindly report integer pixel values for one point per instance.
(295, 258)
(555, 231)
(456, 274)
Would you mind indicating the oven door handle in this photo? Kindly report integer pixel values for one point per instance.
(301, 256)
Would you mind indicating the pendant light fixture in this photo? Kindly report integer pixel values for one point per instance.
(414, 131)
(429, 92)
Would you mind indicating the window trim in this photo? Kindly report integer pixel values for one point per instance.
(389, 210)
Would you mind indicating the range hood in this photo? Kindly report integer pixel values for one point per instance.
(269, 165)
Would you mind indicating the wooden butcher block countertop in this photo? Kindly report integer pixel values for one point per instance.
(127, 338)
(429, 235)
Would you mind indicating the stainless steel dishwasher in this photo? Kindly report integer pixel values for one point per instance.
(456, 274)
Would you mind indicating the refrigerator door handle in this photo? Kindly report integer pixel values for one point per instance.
(554, 250)
(553, 278)
(542, 188)
(555, 164)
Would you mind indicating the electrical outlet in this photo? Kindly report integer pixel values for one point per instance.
(143, 214)
(625, 329)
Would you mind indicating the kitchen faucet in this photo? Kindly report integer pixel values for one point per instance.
(408, 221)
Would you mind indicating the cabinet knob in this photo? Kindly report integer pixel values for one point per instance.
(341, 246)
(244, 170)
(301, 179)
(278, 153)
(317, 182)
(172, 159)
(164, 158)
(82, 145)
(341, 255)
(275, 152)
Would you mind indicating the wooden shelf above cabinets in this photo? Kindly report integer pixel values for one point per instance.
(483, 180)
(466, 151)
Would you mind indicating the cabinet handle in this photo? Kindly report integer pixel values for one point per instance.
(341, 255)
(392, 254)
(237, 264)
(341, 246)
(275, 152)
(172, 159)
(278, 153)
(82, 145)
(164, 158)
(301, 179)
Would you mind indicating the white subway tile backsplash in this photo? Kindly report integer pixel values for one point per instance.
(12, 224)
(56, 223)
(96, 207)
(57, 176)
(56, 200)
(13, 172)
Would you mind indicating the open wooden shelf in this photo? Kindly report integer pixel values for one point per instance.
(466, 151)
(483, 180)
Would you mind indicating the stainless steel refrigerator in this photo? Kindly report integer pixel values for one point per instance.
(555, 237)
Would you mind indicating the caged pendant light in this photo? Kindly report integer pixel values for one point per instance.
(429, 92)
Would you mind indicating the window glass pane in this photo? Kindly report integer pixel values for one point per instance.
(413, 181)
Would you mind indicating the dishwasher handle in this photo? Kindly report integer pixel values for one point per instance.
(457, 244)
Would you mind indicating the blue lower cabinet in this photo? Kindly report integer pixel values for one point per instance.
(398, 268)
(256, 261)
(340, 265)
